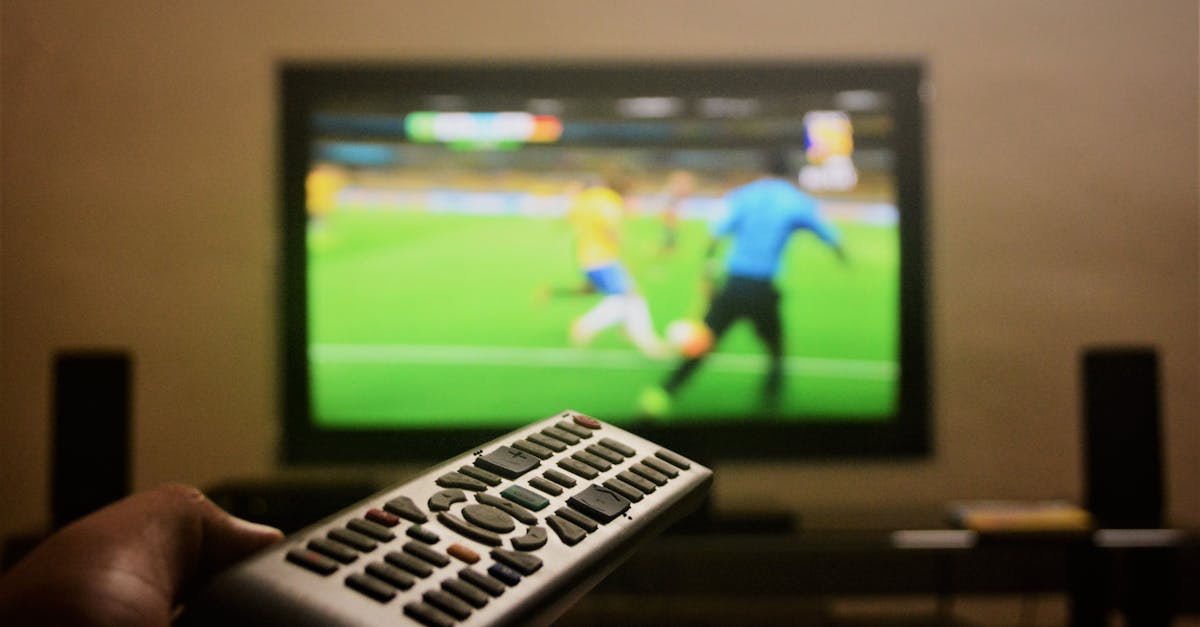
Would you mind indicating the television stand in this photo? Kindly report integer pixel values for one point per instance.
(708, 520)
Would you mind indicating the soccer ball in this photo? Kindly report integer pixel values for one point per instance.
(691, 338)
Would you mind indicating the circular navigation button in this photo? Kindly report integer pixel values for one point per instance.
(488, 517)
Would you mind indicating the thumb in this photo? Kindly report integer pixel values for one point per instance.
(225, 540)
(189, 537)
(185, 538)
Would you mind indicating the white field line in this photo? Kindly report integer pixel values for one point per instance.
(615, 359)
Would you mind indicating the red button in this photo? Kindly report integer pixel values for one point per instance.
(586, 421)
(384, 518)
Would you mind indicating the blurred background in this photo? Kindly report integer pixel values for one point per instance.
(139, 211)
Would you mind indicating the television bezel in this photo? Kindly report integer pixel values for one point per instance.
(303, 86)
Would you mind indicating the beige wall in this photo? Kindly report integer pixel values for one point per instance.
(138, 211)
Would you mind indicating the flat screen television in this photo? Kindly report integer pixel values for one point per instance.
(469, 247)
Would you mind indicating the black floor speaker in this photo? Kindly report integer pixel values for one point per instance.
(91, 432)
(1123, 472)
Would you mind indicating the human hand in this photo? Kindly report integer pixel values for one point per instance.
(128, 564)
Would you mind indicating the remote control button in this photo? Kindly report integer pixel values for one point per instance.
(534, 539)
(627, 451)
(559, 478)
(372, 529)
(409, 563)
(575, 429)
(537, 450)
(599, 503)
(465, 528)
(523, 563)
(661, 466)
(505, 574)
(403, 507)
(545, 486)
(352, 539)
(336, 550)
(371, 587)
(624, 489)
(591, 460)
(465, 591)
(442, 501)
(312, 560)
(391, 574)
(567, 531)
(510, 508)
(562, 436)
(653, 475)
(448, 603)
(586, 523)
(606, 454)
(462, 553)
(429, 555)
(547, 442)
(460, 481)
(380, 517)
(427, 615)
(476, 472)
(487, 583)
(586, 421)
(507, 462)
(673, 459)
(525, 498)
(583, 470)
(417, 532)
(489, 518)
(636, 481)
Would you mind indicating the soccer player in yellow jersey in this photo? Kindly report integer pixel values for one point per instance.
(323, 183)
(595, 215)
(321, 188)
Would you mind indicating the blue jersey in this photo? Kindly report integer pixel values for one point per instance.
(762, 216)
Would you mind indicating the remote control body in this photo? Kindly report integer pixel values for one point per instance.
(510, 533)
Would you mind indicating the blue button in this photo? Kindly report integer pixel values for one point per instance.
(505, 574)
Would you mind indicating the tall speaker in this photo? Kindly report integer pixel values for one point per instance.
(1123, 475)
(91, 432)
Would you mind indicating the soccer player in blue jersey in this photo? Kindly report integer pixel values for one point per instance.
(763, 216)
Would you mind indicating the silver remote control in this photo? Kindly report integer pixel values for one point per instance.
(510, 533)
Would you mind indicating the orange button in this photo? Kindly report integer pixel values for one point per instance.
(463, 553)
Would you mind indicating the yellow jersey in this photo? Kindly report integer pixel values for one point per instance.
(321, 187)
(595, 215)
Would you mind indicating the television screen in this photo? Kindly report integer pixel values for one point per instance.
(728, 258)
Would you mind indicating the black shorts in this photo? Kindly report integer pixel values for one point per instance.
(754, 299)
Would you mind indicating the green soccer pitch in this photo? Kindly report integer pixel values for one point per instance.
(422, 319)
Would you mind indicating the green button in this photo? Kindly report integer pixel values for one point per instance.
(521, 496)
